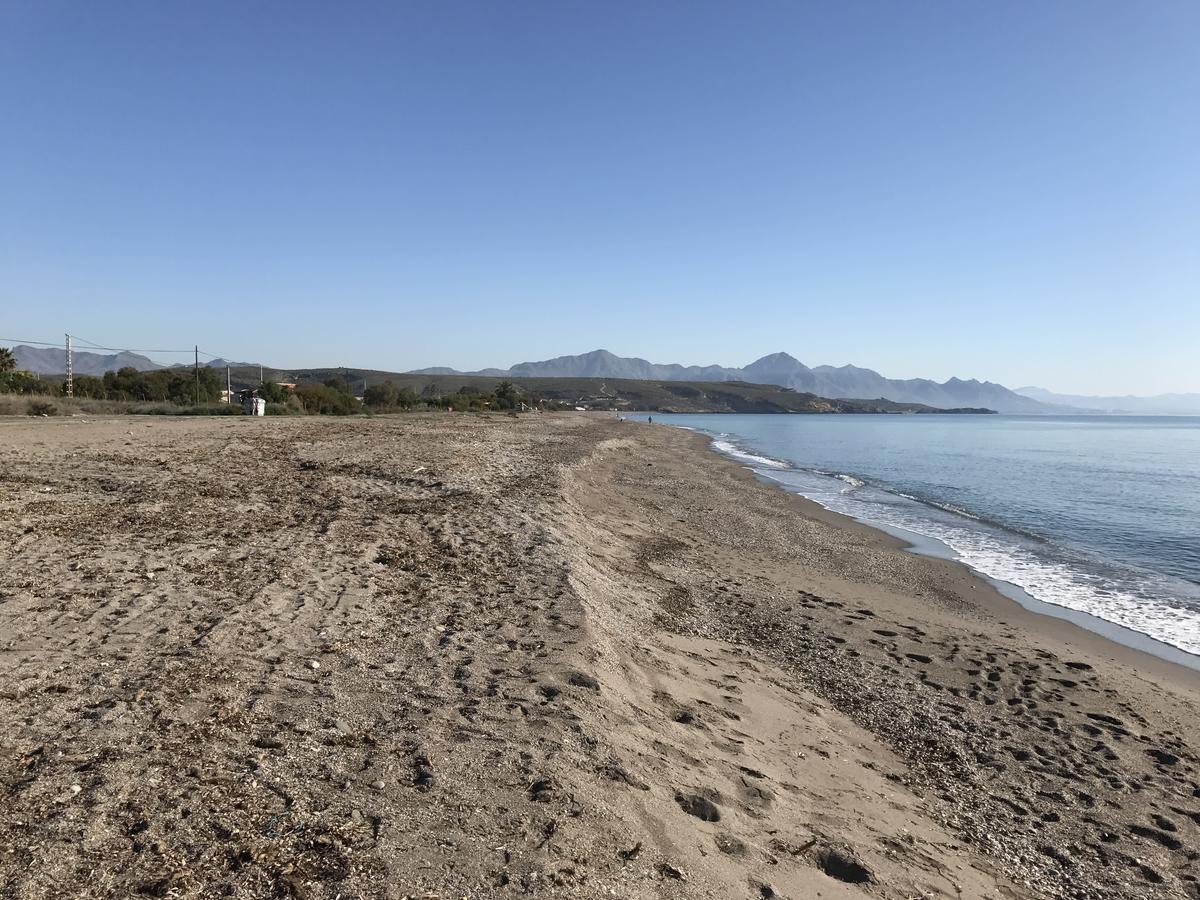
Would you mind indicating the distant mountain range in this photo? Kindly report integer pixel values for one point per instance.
(787, 371)
(778, 369)
(1159, 405)
(50, 361)
(217, 363)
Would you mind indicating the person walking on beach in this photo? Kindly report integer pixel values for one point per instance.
(649, 420)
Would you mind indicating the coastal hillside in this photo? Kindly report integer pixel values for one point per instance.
(614, 393)
(787, 371)
(777, 369)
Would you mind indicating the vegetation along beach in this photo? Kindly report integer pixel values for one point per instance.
(480, 655)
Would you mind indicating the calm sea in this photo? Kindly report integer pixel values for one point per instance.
(1096, 515)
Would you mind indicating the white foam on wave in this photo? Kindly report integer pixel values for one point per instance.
(852, 483)
(992, 553)
(1063, 585)
(947, 507)
(731, 449)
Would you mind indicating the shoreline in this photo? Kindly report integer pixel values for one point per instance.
(994, 707)
(1127, 639)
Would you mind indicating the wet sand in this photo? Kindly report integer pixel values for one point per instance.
(447, 656)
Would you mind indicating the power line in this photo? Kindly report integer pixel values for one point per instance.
(92, 345)
(194, 350)
(60, 344)
(89, 344)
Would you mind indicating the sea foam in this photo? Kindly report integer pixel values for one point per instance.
(1136, 601)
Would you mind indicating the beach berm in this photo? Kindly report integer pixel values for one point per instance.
(439, 655)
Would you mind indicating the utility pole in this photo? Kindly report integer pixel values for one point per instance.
(228, 386)
(197, 374)
(70, 370)
(260, 381)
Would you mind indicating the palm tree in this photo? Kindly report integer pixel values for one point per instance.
(8, 362)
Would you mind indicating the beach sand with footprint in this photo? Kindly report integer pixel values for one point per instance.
(559, 655)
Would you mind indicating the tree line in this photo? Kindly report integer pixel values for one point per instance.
(504, 396)
(181, 386)
(334, 396)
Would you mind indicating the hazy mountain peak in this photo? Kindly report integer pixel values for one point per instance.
(1158, 405)
(776, 368)
(776, 359)
(783, 369)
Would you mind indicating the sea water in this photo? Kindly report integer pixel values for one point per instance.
(1090, 514)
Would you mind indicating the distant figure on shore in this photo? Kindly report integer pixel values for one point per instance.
(649, 420)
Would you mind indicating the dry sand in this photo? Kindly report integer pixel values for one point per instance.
(464, 656)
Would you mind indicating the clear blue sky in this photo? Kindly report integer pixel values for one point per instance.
(1008, 191)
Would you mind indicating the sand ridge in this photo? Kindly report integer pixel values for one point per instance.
(483, 656)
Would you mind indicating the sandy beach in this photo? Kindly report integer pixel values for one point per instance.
(558, 655)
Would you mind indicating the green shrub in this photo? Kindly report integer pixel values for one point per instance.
(273, 393)
(508, 395)
(26, 383)
(326, 399)
(381, 396)
(387, 396)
